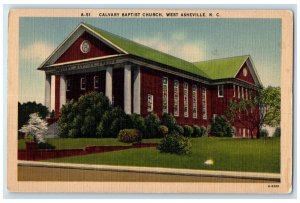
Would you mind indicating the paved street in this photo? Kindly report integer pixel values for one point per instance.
(29, 173)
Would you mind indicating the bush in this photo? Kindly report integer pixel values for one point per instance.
(152, 126)
(204, 131)
(130, 136)
(197, 131)
(81, 118)
(163, 130)
(179, 129)
(45, 145)
(138, 122)
(263, 133)
(188, 131)
(176, 144)
(112, 122)
(169, 121)
(277, 132)
(25, 109)
(221, 127)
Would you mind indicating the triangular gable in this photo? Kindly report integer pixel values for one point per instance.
(71, 39)
(251, 75)
(97, 49)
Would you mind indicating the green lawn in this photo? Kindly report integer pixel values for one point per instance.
(261, 155)
(76, 143)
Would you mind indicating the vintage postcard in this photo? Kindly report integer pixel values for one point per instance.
(150, 101)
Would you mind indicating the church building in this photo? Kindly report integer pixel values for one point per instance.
(141, 79)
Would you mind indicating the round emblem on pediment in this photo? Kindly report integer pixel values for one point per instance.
(245, 72)
(85, 46)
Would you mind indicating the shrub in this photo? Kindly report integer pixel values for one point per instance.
(188, 131)
(204, 131)
(221, 127)
(169, 121)
(138, 122)
(130, 136)
(25, 109)
(163, 130)
(176, 144)
(45, 145)
(152, 126)
(112, 122)
(277, 132)
(197, 131)
(179, 129)
(263, 133)
(81, 118)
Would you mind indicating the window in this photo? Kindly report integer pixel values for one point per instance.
(239, 92)
(165, 94)
(248, 132)
(242, 92)
(150, 103)
(244, 132)
(204, 108)
(185, 99)
(240, 132)
(220, 90)
(194, 101)
(68, 84)
(82, 83)
(176, 98)
(96, 82)
(233, 90)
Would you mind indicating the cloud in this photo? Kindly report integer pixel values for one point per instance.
(182, 49)
(37, 51)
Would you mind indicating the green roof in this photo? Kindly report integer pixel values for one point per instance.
(213, 69)
(140, 50)
(222, 68)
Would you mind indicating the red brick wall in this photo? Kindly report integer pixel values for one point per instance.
(248, 77)
(151, 83)
(98, 49)
(75, 91)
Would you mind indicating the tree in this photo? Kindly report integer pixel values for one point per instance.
(25, 109)
(221, 127)
(258, 111)
(36, 128)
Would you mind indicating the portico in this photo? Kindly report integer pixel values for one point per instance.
(121, 88)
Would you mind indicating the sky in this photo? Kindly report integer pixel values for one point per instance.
(189, 39)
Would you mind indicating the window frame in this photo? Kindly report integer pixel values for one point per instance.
(222, 88)
(165, 110)
(152, 102)
(81, 83)
(176, 103)
(186, 101)
(68, 84)
(195, 101)
(96, 76)
(204, 103)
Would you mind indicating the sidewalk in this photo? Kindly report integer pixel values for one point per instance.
(157, 170)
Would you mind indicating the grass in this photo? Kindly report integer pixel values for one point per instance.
(76, 143)
(262, 155)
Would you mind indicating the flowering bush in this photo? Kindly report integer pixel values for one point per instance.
(36, 128)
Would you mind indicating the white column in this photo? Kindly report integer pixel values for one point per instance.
(137, 91)
(62, 91)
(48, 91)
(127, 89)
(108, 83)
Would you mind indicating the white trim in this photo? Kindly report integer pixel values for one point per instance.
(239, 92)
(62, 91)
(233, 91)
(84, 60)
(178, 98)
(108, 83)
(204, 101)
(152, 101)
(81, 88)
(167, 96)
(103, 38)
(137, 90)
(96, 76)
(48, 91)
(195, 93)
(219, 95)
(186, 102)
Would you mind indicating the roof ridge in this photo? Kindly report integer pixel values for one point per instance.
(248, 55)
(93, 27)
